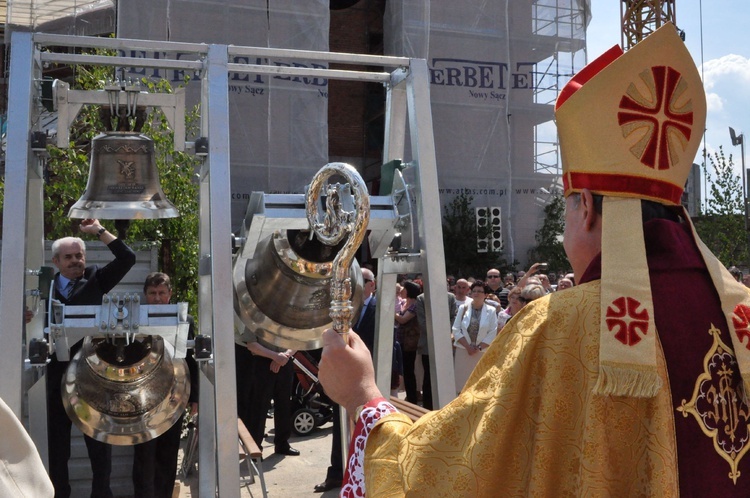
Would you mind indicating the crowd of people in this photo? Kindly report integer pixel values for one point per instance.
(478, 310)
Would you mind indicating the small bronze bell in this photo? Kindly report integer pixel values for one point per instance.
(123, 180)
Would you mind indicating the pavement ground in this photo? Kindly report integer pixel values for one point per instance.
(285, 476)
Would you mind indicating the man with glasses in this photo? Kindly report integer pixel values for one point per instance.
(78, 284)
(365, 325)
(497, 289)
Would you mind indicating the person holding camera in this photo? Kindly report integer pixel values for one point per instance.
(534, 271)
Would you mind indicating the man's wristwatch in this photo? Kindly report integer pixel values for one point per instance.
(101, 231)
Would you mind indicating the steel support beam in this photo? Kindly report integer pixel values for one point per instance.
(430, 232)
(18, 166)
(219, 217)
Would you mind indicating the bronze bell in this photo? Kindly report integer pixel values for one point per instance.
(283, 295)
(123, 180)
(125, 394)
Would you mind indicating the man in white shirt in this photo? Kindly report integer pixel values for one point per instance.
(461, 291)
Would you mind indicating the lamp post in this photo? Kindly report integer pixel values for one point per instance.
(740, 140)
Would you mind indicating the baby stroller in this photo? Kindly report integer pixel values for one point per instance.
(311, 407)
(190, 456)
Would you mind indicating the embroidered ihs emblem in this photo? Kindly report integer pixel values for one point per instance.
(717, 404)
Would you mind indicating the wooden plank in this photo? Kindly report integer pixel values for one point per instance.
(414, 412)
(248, 441)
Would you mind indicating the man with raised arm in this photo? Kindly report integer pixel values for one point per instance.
(78, 284)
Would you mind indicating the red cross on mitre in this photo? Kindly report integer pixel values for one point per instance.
(659, 119)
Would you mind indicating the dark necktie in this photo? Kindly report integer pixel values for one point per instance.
(69, 288)
(362, 313)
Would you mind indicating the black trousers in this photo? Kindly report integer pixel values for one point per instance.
(244, 373)
(58, 439)
(266, 385)
(155, 464)
(336, 470)
(410, 377)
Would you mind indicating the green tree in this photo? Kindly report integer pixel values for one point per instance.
(67, 171)
(549, 246)
(176, 238)
(722, 226)
(460, 234)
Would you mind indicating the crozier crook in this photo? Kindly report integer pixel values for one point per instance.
(334, 226)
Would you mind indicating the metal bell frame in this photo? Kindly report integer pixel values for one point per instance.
(407, 85)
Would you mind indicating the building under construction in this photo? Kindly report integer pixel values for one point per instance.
(495, 67)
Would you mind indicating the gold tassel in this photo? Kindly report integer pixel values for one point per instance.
(745, 388)
(627, 380)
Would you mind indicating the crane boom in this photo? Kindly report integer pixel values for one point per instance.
(640, 18)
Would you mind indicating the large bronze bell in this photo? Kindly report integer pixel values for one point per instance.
(123, 180)
(125, 394)
(283, 294)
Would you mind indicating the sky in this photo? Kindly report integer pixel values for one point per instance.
(721, 52)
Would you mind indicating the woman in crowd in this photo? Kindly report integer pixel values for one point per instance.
(532, 292)
(408, 336)
(518, 298)
(474, 329)
(514, 304)
(564, 283)
(399, 299)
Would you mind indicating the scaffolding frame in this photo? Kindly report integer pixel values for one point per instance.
(558, 20)
(407, 97)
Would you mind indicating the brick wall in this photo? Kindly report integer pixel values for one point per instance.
(354, 108)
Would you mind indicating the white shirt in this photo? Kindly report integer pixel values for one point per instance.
(465, 300)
